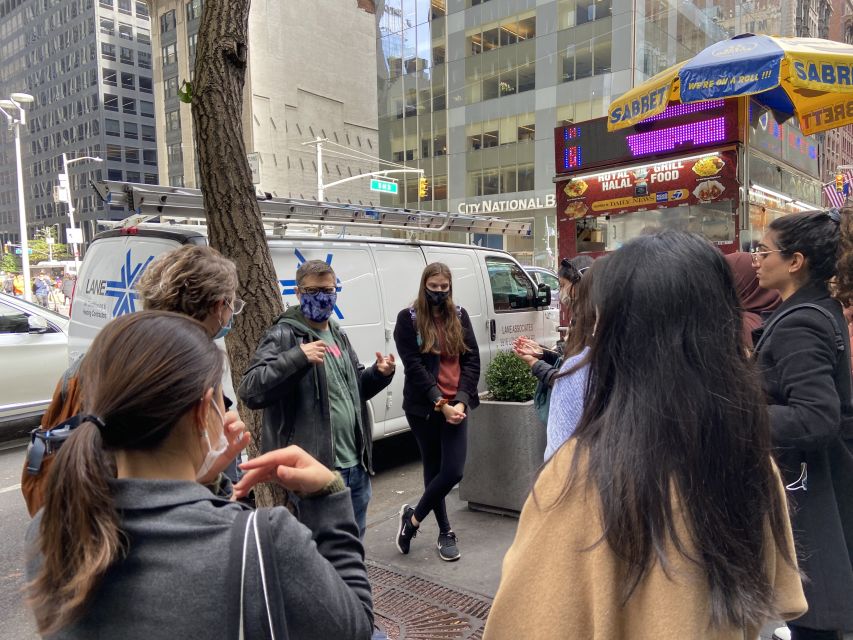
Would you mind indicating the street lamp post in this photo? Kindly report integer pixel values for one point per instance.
(16, 101)
(68, 199)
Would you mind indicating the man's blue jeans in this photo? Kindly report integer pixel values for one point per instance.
(358, 481)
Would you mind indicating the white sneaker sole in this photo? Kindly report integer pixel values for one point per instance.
(438, 546)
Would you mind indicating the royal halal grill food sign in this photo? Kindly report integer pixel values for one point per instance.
(695, 180)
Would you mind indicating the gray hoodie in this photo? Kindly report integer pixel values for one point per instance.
(172, 584)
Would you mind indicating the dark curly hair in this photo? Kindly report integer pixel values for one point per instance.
(825, 239)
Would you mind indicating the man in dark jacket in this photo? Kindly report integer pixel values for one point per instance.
(307, 378)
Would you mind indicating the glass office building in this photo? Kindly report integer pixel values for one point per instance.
(87, 63)
(471, 90)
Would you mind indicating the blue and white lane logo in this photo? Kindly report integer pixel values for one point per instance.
(289, 286)
(124, 290)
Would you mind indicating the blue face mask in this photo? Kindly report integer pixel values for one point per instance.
(224, 329)
(318, 307)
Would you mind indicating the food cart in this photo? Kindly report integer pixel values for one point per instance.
(720, 168)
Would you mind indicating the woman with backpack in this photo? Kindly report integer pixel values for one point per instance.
(143, 550)
(663, 517)
(803, 353)
(436, 343)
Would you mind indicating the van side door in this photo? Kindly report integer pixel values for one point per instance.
(511, 300)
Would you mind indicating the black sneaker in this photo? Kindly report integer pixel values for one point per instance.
(407, 530)
(447, 549)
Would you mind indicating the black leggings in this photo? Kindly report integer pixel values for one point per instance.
(443, 447)
(804, 633)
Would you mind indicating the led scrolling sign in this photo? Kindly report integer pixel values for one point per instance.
(681, 127)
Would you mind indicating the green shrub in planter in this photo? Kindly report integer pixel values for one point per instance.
(508, 378)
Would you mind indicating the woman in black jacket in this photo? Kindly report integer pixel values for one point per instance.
(803, 352)
(436, 343)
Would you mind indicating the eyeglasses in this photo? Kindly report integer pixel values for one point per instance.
(313, 291)
(756, 254)
(237, 306)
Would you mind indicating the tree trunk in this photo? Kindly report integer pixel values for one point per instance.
(234, 225)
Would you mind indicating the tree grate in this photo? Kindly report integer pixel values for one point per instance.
(409, 607)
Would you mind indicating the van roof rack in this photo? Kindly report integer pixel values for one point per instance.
(180, 205)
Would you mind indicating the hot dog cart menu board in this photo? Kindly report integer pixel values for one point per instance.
(694, 179)
(680, 130)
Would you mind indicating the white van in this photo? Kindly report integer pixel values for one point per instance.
(377, 278)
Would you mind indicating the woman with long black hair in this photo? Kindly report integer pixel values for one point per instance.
(436, 343)
(803, 352)
(663, 517)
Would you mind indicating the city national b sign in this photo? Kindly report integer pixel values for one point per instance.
(502, 206)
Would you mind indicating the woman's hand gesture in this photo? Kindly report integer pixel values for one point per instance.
(292, 467)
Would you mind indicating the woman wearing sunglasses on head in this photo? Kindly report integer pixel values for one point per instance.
(129, 543)
(803, 352)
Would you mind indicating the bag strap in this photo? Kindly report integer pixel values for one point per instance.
(234, 576)
(839, 338)
(270, 575)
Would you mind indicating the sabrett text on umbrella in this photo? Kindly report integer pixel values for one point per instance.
(829, 115)
(825, 73)
(639, 106)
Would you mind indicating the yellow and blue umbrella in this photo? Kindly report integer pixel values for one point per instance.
(809, 78)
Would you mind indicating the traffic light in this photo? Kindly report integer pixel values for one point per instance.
(422, 187)
(839, 182)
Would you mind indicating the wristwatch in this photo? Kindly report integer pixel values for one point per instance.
(440, 403)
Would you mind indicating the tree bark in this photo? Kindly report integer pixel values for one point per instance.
(234, 225)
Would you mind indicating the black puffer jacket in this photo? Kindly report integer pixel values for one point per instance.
(806, 375)
(420, 388)
(294, 396)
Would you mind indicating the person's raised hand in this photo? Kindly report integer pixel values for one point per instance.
(385, 364)
(292, 467)
(238, 439)
(314, 351)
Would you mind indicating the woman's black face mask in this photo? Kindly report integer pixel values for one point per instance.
(436, 298)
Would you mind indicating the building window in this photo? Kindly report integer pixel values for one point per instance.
(108, 51)
(131, 154)
(173, 120)
(167, 21)
(112, 127)
(170, 87)
(110, 77)
(126, 55)
(113, 153)
(194, 9)
(114, 174)
(149, 156)
(125, 6)
(151, 178)
(143, 36)
(176, 181)
(125, 31)
(107, 4)
(192, 44)
(170, 54)
(584, 60)
(141, 10)
(108, 26)
(133, 176)
(110, 102)
(527, 132)
(128, 80)
(146, 85)
(148, 133)
(505, 33)
(131, 130)
(144, 59)
(146, 108)
(175, 155)
(128, 105)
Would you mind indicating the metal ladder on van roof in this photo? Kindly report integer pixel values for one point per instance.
(179, 205)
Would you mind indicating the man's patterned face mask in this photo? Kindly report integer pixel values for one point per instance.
(318, 306)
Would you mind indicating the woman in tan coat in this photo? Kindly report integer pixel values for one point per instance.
(663, 517)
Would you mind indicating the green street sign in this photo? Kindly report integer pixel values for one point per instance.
(383, 185)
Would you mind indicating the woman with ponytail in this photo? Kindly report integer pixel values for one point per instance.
(803, 352)
(130, 544)
(436, 342)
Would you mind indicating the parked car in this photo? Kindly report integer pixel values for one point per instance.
(34, 353)
(377, 277)
(544, 276)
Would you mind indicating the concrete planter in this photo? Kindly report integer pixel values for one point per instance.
(506, 445)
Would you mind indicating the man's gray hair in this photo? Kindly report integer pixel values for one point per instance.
(312, 268)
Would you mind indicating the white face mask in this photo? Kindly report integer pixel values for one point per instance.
(213, 454)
